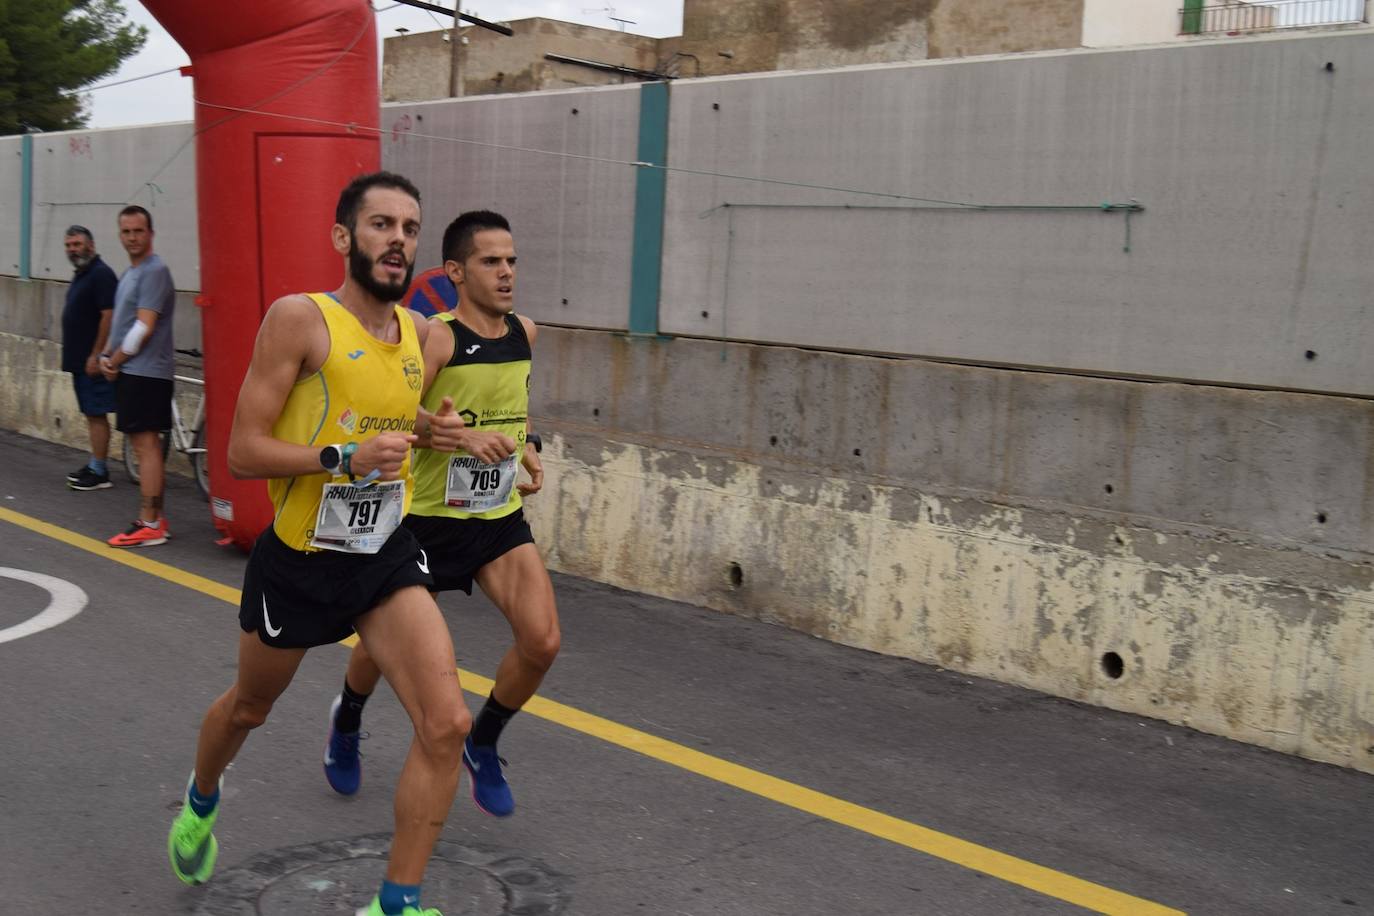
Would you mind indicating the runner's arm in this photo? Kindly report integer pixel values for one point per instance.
(438, 350)
(291, 344)
(529, 458)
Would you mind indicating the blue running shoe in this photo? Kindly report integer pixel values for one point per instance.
(343, 765)
(490, 790)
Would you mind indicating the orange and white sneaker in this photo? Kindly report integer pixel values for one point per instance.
(142, 534)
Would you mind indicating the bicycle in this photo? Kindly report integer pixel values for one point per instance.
(189, 440)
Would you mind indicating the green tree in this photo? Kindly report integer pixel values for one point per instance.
(48, 48)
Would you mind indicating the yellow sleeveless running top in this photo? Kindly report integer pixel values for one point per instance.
(365, 387)
(489, 381)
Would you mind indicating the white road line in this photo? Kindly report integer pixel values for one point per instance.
(68, 600)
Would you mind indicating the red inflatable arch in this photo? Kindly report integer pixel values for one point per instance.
(266, 186)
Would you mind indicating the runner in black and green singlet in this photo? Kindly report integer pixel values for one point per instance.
(466, 512)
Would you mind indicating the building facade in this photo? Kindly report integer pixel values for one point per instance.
(757, 36)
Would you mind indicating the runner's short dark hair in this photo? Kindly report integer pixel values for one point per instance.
(458, 236)
(351, 197)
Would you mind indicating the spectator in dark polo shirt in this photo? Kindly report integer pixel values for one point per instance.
(85, 328)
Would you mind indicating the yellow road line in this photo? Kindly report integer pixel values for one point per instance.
(126, 556)
(1008, 868)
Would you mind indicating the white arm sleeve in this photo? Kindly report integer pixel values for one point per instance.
(134, 339)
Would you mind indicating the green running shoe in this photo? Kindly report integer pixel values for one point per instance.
(375, 909)
(191, 846)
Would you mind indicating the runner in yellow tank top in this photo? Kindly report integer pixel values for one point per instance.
(365, 386)
(467, 513)
(327, 413)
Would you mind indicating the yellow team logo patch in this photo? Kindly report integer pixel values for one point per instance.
(414, 374)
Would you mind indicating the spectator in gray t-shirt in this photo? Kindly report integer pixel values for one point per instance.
(140, 362)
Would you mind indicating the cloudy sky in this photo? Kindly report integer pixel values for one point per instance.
(168, 97)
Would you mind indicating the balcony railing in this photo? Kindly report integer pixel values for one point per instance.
(1199, 18)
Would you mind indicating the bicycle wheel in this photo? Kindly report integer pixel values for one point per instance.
(131, 457)
(200, 463)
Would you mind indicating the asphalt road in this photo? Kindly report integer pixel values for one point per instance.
(682, 762)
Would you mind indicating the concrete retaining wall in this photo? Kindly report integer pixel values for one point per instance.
(36, 396)
(1032, 528)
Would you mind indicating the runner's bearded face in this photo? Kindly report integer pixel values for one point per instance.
(381, 248)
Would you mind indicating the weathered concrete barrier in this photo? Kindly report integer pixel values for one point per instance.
(36, 396)
(1195, 554)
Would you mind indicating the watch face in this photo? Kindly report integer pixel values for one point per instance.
(329, 457)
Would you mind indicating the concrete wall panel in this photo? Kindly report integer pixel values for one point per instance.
(11, 179)
(1248, 157)
(573, 218)
(86, 177)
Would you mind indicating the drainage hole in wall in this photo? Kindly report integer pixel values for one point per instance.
(1108, 488)
(772, 440)
(1119, 540)
(1321, 518)
(596, 411)
(1310, 354)
(858, 453)
(736, 575)
(705, 314)
(1113, 666)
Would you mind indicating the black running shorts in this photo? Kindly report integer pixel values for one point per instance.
(296, 600)
(142, 404)
(458, 547)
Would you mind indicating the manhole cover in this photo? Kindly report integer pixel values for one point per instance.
(338, 876)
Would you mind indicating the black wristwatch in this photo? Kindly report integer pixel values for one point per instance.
(331, 456)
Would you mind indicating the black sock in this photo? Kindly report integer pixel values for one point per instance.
(349, 718)
(490, 721)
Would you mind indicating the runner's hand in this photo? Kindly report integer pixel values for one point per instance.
(445, 428)
(385, 452)
(93, 365)
(536, 471)
(488, 448)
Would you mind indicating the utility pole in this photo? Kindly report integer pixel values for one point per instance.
(455, 59)
(455, 39)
